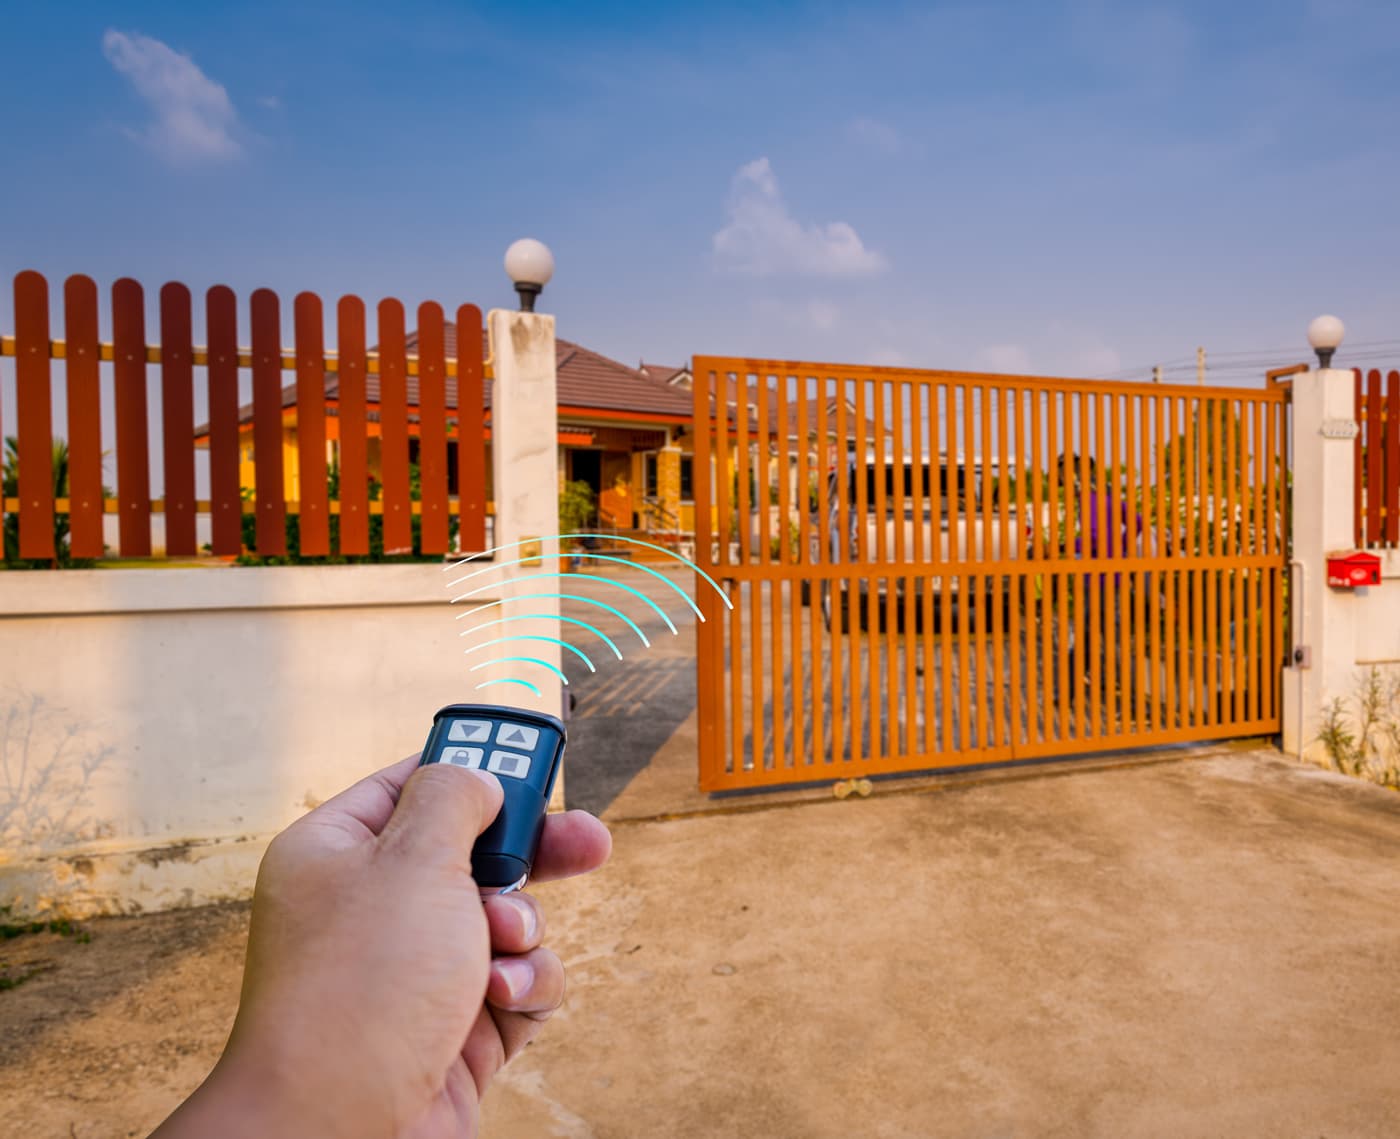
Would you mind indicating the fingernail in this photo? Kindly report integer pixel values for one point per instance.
(529, 920)
(517, 975)
(485, 776)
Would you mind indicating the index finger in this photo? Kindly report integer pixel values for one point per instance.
(573, 843)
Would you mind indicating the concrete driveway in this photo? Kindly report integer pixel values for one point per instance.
(1194, 947)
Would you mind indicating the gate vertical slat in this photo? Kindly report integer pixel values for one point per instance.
(709, 664)
(1239, 707)
(1174, 535)
(763, 645)
(34, 418)
(225, 499)
(922, 507)
(823, 746)
(804, 726)
(471, 435)
(733, 499)
(903, 600)
(881, 724)
(836, 549)
(177, 418)
(432, 429)
(269, 487)
(1034, 587)
(990, 603)
(775, 470)
(1257, 599)
(1124, 526)
(915, 586)
(84, 389)
(1009, 585)
(859, 678)
(1206, 441)
(1139, 523)
(132, 425)
(1053, 664)
(785, 750)
(395, 495)
(353, 425)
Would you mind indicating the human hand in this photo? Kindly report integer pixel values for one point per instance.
(381, 994)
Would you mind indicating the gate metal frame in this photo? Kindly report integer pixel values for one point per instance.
(963, 658)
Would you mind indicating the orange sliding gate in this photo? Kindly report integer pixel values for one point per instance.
(931, 569)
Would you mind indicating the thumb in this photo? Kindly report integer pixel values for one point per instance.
(442, 808)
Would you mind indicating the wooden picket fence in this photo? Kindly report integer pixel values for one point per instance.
(1377, 503)
(450, 406)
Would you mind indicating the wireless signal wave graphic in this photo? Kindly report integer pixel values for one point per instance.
(514, 650)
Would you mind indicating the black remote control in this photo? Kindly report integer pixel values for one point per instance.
(525, 750)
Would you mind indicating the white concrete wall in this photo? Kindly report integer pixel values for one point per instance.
(1346, 631)
(158, 726)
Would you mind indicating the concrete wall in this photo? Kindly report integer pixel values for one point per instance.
(158, 726)
(1345, 632)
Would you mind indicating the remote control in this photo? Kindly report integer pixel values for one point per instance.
(525, 750)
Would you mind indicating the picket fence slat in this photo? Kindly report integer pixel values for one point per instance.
(393, 429)
(177, 419)
(268, 484)
(225, 497)
(432, 428)
(84, 391)
(471, 426)
(133, 426)
(34, 412)
(354, 463)
(314, 503)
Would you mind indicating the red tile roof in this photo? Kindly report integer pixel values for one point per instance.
(588, 381)
(664, 373)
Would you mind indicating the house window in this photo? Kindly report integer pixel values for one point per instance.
(687, 477)
(649, 476)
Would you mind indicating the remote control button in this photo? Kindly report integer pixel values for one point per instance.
(518, 735)
(462, 756)
(509, 763)
(469, 731)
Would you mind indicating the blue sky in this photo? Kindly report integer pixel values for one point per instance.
(1077, 188)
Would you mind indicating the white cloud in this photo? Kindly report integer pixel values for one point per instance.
(271, 102)
(193, 117)
(1098, 360)
(888, 358)
(876, 135)
(762, 238)
(1007, 359)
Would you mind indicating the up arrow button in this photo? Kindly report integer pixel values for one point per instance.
(518, 735)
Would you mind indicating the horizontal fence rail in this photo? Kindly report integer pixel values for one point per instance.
(370, 475)
(1377, 502)
(932, 569)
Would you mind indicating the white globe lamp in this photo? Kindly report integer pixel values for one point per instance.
(530, 265)
(1325, 335)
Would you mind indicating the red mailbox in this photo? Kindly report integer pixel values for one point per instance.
(1350, 569)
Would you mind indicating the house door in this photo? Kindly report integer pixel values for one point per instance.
(615, 495)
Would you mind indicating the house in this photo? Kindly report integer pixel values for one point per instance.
(621, 431)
